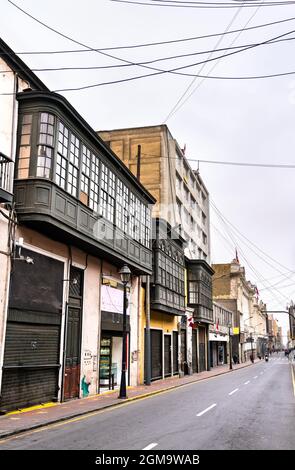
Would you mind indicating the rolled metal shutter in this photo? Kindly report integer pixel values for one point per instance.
(157, 354)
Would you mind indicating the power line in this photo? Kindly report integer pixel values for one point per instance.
(253, 269)
(253, 3)
(203, 5)
(174, 70)
(257, 247)
(160, 59)
(247, 164)
(181, 104)
(150, 44)
(178, 102)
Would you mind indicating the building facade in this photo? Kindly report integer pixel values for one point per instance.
(80, 216)
(155, 157)
(220, 336)
(232, 290)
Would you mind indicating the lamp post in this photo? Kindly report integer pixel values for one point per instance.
(230, 347)
(125, 275)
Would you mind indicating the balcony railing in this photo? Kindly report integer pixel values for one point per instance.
(5, 178)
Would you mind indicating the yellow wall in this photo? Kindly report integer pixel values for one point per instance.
(165, 322)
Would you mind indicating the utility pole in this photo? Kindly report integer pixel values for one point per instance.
(230, 349)
(138, 162)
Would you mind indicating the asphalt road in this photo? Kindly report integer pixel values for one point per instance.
(251, 408)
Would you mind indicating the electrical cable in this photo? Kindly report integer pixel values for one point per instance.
(160, 59)
(175, 70)
(150, 44)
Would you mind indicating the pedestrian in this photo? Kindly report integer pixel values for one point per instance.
(252, 358)
(235, 358)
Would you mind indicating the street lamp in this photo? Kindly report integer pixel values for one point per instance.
(230, 346)
(125, 275)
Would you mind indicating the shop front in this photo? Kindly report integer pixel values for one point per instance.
(111, 341)
(218, 344)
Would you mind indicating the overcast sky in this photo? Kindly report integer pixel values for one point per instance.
(224, 120)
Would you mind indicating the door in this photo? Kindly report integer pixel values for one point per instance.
(202, 350)
(73, 336)
(32, 342)
(167, 355)
(175, 352)
(157, 354)
(194, 351)
(183, 352)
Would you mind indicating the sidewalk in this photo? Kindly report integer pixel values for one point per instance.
(28, 419)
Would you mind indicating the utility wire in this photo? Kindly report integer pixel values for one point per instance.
(174, 70)
(203, 5)
(248, 240)
(181, 104)
(253, 269)
(216, 162)
(160, 59)
(133, 46)
(178, 103)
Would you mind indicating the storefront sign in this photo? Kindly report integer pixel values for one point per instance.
(112, 299)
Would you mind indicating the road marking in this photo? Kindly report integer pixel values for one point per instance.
(234, 391)
(246, 383)
(150, 446)
(207, 409)
(256, 377)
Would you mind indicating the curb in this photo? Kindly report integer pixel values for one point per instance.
(113, 405)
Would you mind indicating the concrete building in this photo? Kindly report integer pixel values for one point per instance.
(220, 336)
(182, 197)
(232, 290)
(77, 216)
(155, 157)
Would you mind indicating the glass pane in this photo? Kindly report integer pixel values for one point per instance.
(26, 129)
(25, 139)
(27, 118)
(23, 163)
(24, 151)
(23, 173)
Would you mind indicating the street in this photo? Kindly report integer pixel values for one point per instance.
(252, 408)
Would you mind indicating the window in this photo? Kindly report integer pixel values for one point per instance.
(107, 193)
(62, 155)
(73, 168)
(132, 215)
(45, 145)
(122, 203)
(25, 147)
(94, 183)
(204, 218)
(85, 176)
(148, 227)
(193, 292)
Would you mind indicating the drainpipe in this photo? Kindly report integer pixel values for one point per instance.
(148, 332)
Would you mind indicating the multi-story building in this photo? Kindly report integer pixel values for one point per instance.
(258, 327)
(167, 304)
(220, 335)
(78, 216)
(155, 157)
(181, 195)
(232, 290)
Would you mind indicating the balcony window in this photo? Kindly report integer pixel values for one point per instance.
(60, 155)
(25, 147)
(45, 145)
(107, 193)
(94, 184)
(85, 176)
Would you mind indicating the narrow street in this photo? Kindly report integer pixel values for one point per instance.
(252, 408)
